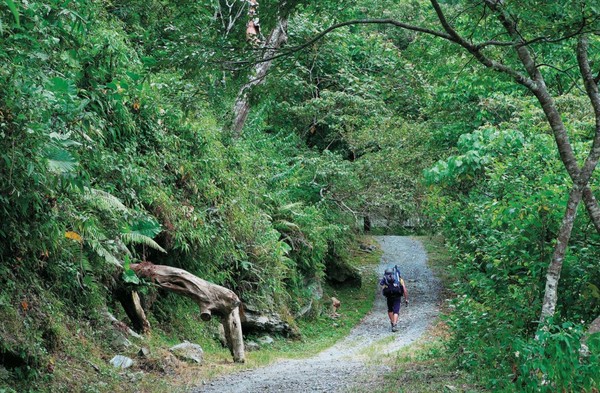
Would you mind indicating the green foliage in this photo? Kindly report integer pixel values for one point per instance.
(349, 96)
(500, 214)
(13, 8)
(142, 232)
(554, 360)
(112, 151)
(112, 146)
(129, 275)
(479, 148)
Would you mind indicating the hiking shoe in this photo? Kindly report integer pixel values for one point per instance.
(394, 328)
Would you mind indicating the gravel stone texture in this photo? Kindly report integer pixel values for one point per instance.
(350, 362)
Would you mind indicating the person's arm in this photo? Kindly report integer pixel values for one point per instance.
(405, 291)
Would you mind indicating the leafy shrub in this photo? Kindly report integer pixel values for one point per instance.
(555, 361)
(500, 211)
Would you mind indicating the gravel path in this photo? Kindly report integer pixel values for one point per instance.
(346, 364)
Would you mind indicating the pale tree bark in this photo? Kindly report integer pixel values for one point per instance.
(562, 241)
(211, 298)
(581, 178)
(594, 326)
(591, 204)
(591, 88)
(278, 36)
(228, 14)
(232, 327)
(534, 81)
(130, 300)
(580, 175)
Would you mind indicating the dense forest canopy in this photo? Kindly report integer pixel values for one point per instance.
(250, 142)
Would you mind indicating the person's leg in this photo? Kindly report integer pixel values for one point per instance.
(390, 307)
(395, 312)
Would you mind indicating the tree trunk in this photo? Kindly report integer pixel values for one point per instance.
(564, 234)
(241, 108)
(594, 327)
(367, 224)
(211, 298)
(130, 301)
(591, 88)
(232, 326)
(591, 204)
(580, 175)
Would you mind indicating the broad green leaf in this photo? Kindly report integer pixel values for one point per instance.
(129, 275)
(59, 160)
(147, 227)
(13, 8)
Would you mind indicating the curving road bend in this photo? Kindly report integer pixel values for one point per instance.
(348, 363)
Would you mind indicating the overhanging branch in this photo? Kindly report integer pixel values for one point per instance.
(322, 34)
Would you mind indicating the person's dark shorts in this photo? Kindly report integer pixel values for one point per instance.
(393, 304)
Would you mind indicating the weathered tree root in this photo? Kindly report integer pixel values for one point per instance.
(211, 298)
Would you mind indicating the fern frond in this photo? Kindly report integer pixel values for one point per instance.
(290, 206)
(286, 225)
(13, 8)
(91, 231)
(104, 253)
(86, 265)
(138, 238)
(104, 200)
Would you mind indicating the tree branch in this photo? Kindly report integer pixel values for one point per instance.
(476, 51)
(322, 34)
(591, 86)
(593, 209)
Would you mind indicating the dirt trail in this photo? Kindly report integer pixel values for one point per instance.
(347, 363)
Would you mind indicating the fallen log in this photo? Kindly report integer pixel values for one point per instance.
(211, 298)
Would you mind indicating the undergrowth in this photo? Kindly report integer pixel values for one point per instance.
(77, 351)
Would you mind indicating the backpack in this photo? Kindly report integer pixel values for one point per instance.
(392, 283)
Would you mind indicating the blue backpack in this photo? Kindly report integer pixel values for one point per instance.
(392, 286)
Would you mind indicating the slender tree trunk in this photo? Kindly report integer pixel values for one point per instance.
(591, 204)
(241, 108)
(534, 81)
(553, 274)
(594, 326)
(580, 175)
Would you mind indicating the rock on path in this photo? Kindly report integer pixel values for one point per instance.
(346, 363)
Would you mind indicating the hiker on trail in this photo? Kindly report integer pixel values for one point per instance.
(393, 290)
